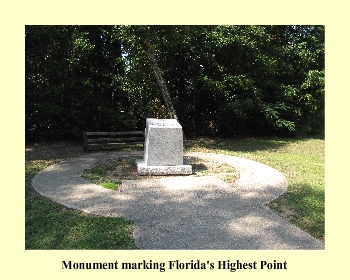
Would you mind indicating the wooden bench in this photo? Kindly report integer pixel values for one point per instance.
(103, 139)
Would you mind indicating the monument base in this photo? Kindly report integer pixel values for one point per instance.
(143, 169)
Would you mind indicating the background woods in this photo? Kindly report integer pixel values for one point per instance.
(220, 80)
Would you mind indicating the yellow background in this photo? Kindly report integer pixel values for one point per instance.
(17, 262)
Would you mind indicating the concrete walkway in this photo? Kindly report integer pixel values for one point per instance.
(184, 212)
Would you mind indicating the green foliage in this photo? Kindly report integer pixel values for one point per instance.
(272, 114)
(226, 80)
(74, 80)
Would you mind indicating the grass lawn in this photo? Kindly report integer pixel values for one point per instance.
(302, 161)
(50, 225)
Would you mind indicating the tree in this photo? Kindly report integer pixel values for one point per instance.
(159, 77)
(74, 81)
(216, 80)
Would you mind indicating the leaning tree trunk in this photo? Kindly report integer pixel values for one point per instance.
(159, 78)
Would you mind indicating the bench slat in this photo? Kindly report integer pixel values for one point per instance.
(95, 139)
(130, 139)
(114, 133)
(112, 144)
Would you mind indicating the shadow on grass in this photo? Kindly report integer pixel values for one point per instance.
(304, 206)
(237, 145)
(50, 225)
(52, 151)
(63, 150)
(246, 144)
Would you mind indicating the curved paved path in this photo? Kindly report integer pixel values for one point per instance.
(184, 212)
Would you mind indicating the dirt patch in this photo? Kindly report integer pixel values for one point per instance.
(223, 171)
(124, 168)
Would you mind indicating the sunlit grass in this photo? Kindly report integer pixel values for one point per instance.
(302, 161)
(50, 225)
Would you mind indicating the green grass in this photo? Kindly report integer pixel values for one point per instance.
(302, 161)
(109, 174)
(52, 226)
(99, 174)
(111, 185)
(49, 225)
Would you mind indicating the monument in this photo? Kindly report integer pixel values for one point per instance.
(163, 149)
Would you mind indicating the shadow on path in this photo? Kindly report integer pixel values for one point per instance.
(184, 212)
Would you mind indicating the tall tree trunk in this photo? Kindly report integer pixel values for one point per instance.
(159, 78)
